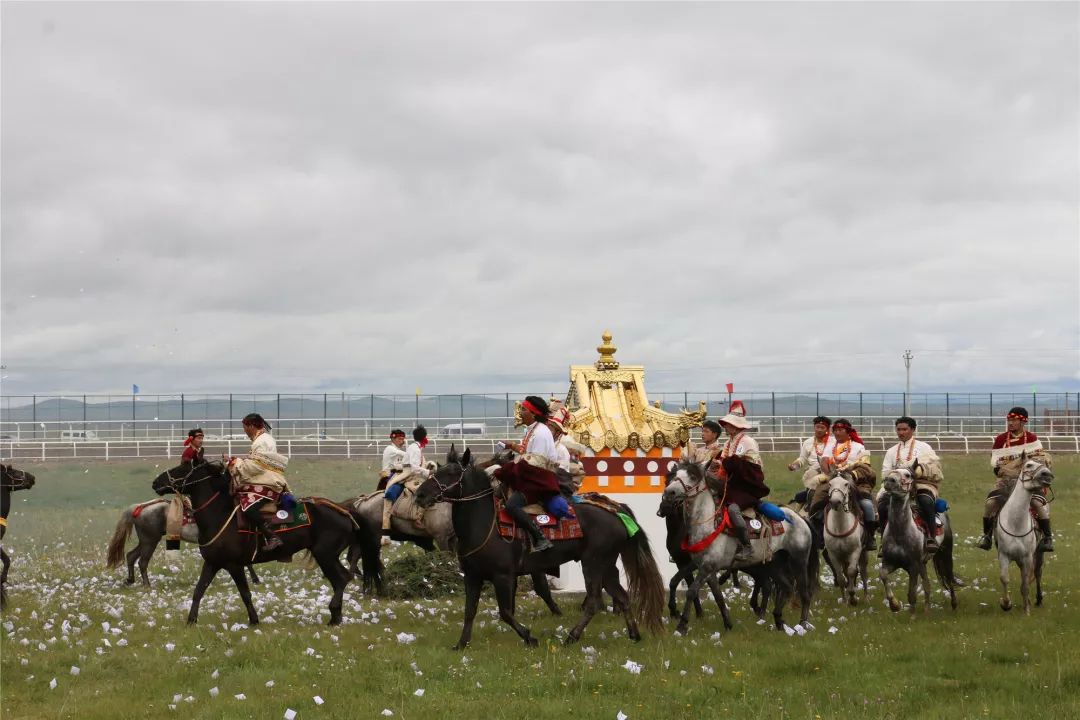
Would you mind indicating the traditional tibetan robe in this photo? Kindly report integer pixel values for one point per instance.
(260, 475)
(810, 454)
(928, 473)
(744, 479)
(1005, 458)
(533, 473)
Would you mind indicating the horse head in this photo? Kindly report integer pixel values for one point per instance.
(682, 481)
(840, 492)
(183, 478)
(16, 479)
(899, 482)
(1035, 474)
(446, 481)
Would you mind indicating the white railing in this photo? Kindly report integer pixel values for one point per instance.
(493, 428)
(97, 450)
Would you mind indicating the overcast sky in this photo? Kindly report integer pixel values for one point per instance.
(369, 197)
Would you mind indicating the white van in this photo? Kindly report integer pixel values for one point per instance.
(78, 435)
(454, 430)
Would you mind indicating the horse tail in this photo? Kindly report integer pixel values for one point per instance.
(115, 554)
(647, 597)
(813, 571)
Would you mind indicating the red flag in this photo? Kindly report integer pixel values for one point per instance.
(731, 387)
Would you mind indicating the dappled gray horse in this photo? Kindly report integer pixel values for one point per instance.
(786, 562)
(903, 545)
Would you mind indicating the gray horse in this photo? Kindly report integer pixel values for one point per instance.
(844, 548)
(786, 562)
(1018, 536)
(903, 545)
(149, 525)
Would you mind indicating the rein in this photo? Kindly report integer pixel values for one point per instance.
(719, 528)
(441, 497)
(846, 506)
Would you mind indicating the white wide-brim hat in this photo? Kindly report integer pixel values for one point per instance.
(736, 416)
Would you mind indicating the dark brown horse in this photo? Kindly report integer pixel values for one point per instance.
(10, 481)
(486, 557)
(224, 546)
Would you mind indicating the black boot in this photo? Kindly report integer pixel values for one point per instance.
(745, 551)
(270, 540)
(929, 518)
(522, 518)
(817, 525)
(869, 530)
(987, 540)
(1047, 542)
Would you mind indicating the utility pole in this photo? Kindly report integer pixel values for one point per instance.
(907, 393)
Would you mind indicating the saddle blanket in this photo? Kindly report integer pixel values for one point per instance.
(939, 528)
(755, 526)
(552, 527)
(280, 520)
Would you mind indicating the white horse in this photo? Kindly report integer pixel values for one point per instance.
(903, 545)
(787, 561)
(844, 537)
(1018, 536)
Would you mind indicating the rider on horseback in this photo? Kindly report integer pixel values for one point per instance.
(1007, 460)
(193, 446)
(907, 454)
(710, 435)
(814, 448)
(531, 477)
(850, 457)
(393, 458)
(412, 466)
(259, 478)
(739, 467)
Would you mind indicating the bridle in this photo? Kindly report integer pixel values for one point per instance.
(9, 474)
(442, 496)
(845, 505)
(1025, 477)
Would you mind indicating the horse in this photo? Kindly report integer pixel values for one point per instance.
(10, 481)
(223, 546)
(149, 525)
(1018, 536)
(903, 545)
(788, 565)
(844, 532)
(676, 533)
(484, 557)
(437, 531)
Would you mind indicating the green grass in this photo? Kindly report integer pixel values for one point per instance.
(975, 663)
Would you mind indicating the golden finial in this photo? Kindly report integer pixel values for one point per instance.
(607, 359)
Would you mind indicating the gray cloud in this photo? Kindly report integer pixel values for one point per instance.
(460, 197)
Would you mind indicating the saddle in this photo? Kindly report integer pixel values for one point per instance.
(755, 524)
(939, 528)
(278, 519)
(552, 527)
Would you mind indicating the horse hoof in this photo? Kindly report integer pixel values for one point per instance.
(556, 612)
(192, 621)
(1006, 606)
(894, 606)
(853, 601)
(681, 629)
(531, 641)
(253, 623)
(334, 621)
(459, 646)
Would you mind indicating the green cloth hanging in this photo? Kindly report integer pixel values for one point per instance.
(632, 527)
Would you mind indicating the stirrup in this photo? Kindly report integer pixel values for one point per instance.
(1046, 544)
(541, 545)
(743, 553)
(272, 542)
(984, 543)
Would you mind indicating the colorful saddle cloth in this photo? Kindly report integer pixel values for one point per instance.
(553, 528)
(279, 519)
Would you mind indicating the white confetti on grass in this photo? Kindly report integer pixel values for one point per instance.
(75, 670)
(419, 692)
(621, 716)
(387, 712)
(405, 638)
(52, 684)
(240, 696)
(214, 691)
(290, 714)
(633, 667)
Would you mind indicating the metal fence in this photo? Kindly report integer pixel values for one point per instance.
(344, 413)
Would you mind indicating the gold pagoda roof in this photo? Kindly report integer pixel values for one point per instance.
(611, 409)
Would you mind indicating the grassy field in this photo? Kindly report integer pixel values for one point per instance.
(135, 658)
